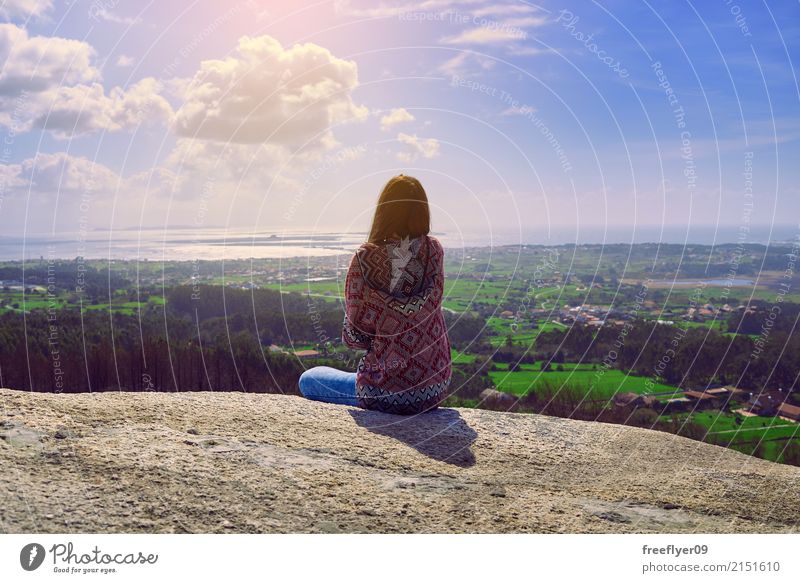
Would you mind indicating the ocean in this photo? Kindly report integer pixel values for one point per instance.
(187, 244)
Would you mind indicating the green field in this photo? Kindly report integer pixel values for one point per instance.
(34, 301)
(745, 433)
(461, 357)
(597, 383)
(525, 334)
(331, 288)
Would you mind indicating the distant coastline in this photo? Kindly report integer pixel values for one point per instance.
(185, 244)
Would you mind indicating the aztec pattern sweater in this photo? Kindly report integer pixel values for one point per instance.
(393, 310)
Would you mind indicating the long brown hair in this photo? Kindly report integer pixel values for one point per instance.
(402, 211)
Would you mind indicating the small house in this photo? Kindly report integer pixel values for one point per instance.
(702, 399)
(675, 405)
(763, 405)
(789, 411)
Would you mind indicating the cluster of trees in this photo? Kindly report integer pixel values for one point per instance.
(68, 276)
(160, 350)
(687, 357)
(272, 316)
(465, 330)
(213, 337)
(779, 316)
(205, 338)
(753, 258)
(468, 381)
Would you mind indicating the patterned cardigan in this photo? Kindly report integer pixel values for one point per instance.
(393, 310)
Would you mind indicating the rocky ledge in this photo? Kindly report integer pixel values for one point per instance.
(238, 462)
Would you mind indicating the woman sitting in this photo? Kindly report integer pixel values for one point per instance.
(393, 310)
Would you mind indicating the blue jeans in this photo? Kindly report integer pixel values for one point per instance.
(323, 383)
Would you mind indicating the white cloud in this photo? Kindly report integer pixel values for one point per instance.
(524, 21)
(80, 109)
(527, 51)
(193, 169)
(261, 85)
(125, 61)
(24, 8)
(10, 178)
(461, 65)
(266, 92)
(193, 165)
(185, 175)
(202, 168)
(486, 36)
(427, 148)
(98, 12)
(498, 24)
(518, 110)
(244, 169)
(399, 9)
(51, 174)
(396, 116)
(51, 83)
(38, 63)
(504, 10)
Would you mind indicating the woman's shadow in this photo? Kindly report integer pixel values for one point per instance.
(440, 434)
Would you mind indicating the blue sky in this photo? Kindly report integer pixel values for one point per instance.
(522, 119)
